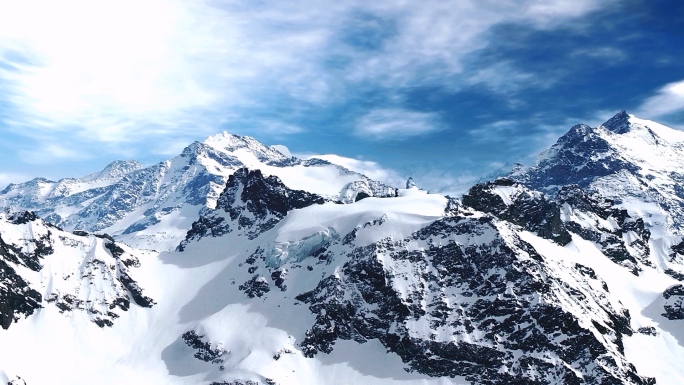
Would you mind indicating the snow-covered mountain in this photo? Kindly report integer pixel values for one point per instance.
(43, 265)
(152, 207)
(299, 272)
(635, 162)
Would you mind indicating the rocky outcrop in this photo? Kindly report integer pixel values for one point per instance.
(511, 201)
(17, 298)
(621, 237)
(467, 297)
(674, 302)
(95, 272)
(250, 204)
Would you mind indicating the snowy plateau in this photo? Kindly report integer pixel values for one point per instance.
(234, 263)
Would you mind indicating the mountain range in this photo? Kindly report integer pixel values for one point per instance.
(233, 263)
(153, 207)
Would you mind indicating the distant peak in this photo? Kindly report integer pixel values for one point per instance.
(576, 132)
(619, 123)
(230, 141)
(119, 164)
(117, 169)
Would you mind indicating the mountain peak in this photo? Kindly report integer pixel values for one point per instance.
(119, 168)
(114, 171)
(619, 123)
(225, 140)
(229, 143)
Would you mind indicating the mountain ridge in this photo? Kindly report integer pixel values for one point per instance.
(152, 207)
(294, 276)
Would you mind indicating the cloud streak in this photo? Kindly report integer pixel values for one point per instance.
(123, 72)
(396, 124)
(669, 99)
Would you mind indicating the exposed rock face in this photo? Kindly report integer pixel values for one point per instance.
(573, 160)
(17, 298)
(626, 159)
(674, 302)
(622, 238)
(95, 275)
(488, 301)
(204, 351)
(250, 204)
(464, 296)
(526, 208)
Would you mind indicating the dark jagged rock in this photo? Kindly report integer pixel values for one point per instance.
(554, 219)
(23, 217)
(256, 286)
(648, 330)
(573, 160)
(676, 275)
(528, 209)
(17, 298)
(20, 297)
(674, 302)
(204, 350)
(612, 241)
(253, 204)
(494, 287)
(619, 123)
(113, 248)
(262, 196)
(135, 290)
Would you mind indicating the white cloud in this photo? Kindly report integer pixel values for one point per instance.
(603, 53)
(47, 153)
(668, 100)
(7, 178)
(549, 13)
(435, 178)
(129, 71)
(504, 78)
(282, 149)
(276, 128)
(495, 132)
(396, 124)
(368, 168)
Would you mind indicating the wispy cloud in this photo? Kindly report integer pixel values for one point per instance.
(368, 168)
(495, 132)
(668, 100)
(126, 71)
(396, 124)
(7, 178)
(275, 128)
(47, 153)
(611, 54)
(504, 78)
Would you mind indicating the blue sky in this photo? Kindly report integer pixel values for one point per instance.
(455, 87)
